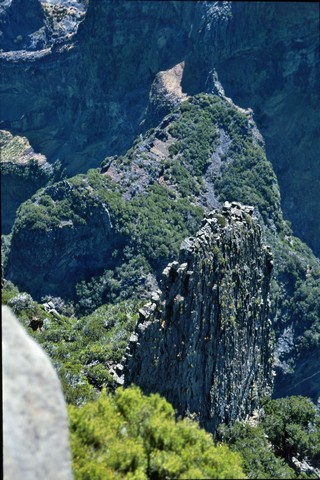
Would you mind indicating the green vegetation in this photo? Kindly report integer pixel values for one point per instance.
(130, 435)
(160, 223)
(31, 170)
(18, 159)
(153, 223)
(259, 460)
(45, 214)
(289, 427)
(156, 221)
(151, 227)
(197, 135)
(13, 148)
(293, 427)
(246, 175)
(70, 200)
(181, 178)
(296, 304)
(125, 281)
(82, 350)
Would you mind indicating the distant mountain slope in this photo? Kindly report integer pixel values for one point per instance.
(82, 93)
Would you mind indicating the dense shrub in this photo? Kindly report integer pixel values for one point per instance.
(130, 435)
(293, 427)
(246, 175)
(259, 459)
(287, 427)
(83, 349)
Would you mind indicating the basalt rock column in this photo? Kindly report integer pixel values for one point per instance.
(205, 343)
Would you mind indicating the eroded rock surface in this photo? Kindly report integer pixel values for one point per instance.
(35, 25)
(205, 343)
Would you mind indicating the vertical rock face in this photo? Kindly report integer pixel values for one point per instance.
(35, 424)
(205, 344)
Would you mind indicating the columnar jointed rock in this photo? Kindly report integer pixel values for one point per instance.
(35, 423)
(206, 344)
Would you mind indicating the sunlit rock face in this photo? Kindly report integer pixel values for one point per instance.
(23, 172)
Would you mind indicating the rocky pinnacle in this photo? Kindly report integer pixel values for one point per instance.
(205, 341)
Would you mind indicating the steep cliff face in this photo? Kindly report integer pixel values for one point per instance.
(34, 25)
(205, 344)
(87, 94)
(296, 317)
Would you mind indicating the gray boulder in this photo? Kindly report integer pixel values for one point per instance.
(35, 423)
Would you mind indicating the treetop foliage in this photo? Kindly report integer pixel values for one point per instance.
(132, 436)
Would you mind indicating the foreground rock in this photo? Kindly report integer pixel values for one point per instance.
(205, 344)
(35, 424)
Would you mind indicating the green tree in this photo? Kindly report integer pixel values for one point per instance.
(133, 436)
(259, 459)
(292, 426)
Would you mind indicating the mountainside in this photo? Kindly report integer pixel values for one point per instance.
(154, 220)
(100, 73)
(150, 199)
(110, 233)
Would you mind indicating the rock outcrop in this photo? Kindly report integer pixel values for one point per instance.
(206, 344)
(66, 237)
(35, 423)
(165, 94)
(35, 25)
(23, 172)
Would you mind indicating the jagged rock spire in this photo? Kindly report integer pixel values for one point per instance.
(205, 343)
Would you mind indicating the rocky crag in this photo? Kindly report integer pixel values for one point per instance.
(35, 25)
(206, 344)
